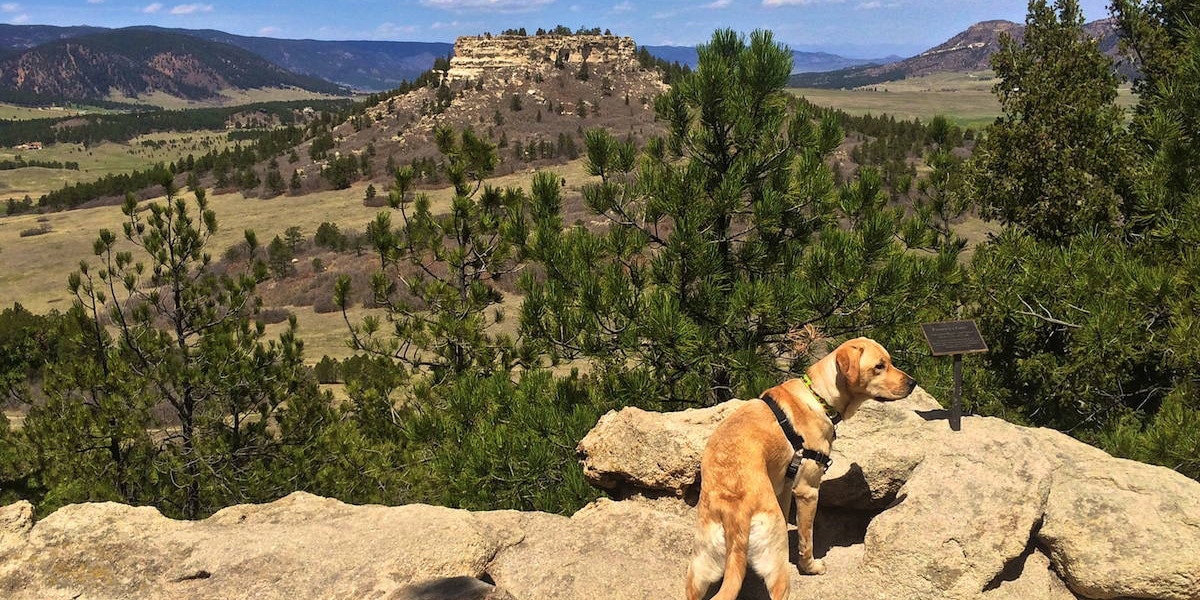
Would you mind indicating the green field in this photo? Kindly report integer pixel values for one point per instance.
(98, 161)
(965, 98)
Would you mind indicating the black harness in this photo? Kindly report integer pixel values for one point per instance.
(796, 440)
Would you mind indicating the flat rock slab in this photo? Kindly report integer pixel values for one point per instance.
(301, 546)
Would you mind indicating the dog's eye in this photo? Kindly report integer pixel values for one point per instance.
(880, 365)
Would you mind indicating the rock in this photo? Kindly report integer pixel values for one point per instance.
(476, 57)
(628, 549)
(1117, 528)
(946, 538)
(1029, 577)
(15, 522)
(877, 450)
(634, 451)
(299, 546)
(452, 588)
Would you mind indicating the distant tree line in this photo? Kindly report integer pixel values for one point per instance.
(9, 164)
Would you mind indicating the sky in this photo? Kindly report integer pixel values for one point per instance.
(854, 28)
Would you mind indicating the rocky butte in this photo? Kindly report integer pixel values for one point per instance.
(909, 510)
(478, 56)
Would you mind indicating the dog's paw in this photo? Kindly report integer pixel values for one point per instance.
(815, 566)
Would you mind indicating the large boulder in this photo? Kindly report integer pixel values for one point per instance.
(627, 549)
(633, 451)
(1117, 528)
(994, 510)
(301, 546)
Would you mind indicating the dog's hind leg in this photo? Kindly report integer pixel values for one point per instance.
(768, 551)
(708, 563)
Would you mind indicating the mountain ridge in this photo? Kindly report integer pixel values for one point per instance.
(131, 63)
(967, 51)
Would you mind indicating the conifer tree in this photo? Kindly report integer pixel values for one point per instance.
(182, 344)
(1055, 162)
(439, 274)
(722, 240)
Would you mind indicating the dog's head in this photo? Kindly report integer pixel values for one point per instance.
(865, 370)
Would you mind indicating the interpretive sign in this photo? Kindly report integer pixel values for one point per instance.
(954, 338)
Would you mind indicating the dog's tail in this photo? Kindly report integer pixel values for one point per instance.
(737, 542)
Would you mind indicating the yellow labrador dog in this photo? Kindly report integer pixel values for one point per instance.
(770, 450)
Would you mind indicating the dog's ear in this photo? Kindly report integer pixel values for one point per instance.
(848, 357)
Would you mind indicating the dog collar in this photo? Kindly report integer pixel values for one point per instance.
(830, 411)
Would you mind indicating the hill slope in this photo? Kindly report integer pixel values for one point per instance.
(364, 65)
(133, 62)
(970, 50)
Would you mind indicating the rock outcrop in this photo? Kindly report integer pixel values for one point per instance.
(477, 56)
(909, 510)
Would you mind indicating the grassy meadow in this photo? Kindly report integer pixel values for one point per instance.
(100, 160)
(33, 270)
(964, 98)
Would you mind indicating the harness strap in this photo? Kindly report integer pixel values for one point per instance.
(796, 440)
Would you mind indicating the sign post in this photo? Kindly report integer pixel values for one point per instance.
(954, 338)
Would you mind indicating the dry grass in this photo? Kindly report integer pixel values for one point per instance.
(23, 113)
(34, 269)
(965, 98)
(103, 159)
(226, 98)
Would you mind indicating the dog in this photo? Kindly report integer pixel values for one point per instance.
(745, 488)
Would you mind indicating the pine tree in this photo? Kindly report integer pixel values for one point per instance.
(439, 274)
(724, 239)
(169, 334)
(1055, 162)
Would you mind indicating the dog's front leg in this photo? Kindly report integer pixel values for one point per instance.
(806, 511)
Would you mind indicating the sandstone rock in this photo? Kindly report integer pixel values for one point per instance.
(628, 549)
(632, 451)
(452, 588)
(1030, 577)
(477, 56)
(15, 522)
(299, 546)
(1116, 528)
(949, 539)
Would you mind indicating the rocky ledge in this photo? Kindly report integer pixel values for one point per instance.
(909, 510)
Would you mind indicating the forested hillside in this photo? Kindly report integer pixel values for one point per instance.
(708, 262)
(136, 62)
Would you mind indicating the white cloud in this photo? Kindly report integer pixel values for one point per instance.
(392, 29)
(875, 4)
(152, 8)
(625, 6)
(718, 4)
(20, 19)
(187, 9)
(772, 3)
(95, 1)
(10, 7)
(487, 5)
(269, 30)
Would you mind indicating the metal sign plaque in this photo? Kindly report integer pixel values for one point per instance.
(953, 337)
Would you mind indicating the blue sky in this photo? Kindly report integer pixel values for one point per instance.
(858, 28)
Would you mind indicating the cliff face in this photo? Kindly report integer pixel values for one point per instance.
(476, 57)
(909, 510)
